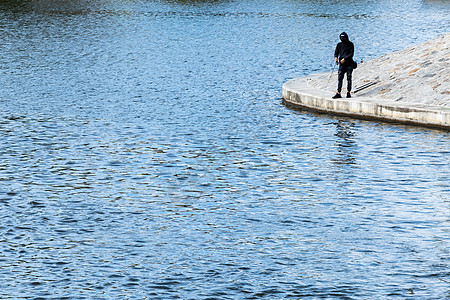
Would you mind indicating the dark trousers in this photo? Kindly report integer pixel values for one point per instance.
(342, 71)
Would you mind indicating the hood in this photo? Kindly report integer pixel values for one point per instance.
(344, 37)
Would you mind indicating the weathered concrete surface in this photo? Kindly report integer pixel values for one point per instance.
(413, 87)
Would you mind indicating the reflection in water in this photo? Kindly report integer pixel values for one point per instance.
(37, 5)
(67, 7)
(345, 145)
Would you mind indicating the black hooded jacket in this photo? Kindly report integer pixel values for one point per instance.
(345, 50)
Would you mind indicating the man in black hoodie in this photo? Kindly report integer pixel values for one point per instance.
(343, 55)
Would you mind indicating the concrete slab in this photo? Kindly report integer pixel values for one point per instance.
(301, 93)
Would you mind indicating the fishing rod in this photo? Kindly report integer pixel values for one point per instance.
(329, 77)
(365, 86)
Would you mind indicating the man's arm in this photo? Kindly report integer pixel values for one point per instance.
(336, 54)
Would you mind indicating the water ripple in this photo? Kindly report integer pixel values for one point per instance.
(145, 154)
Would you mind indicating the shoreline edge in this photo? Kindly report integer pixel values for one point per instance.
(299, 93)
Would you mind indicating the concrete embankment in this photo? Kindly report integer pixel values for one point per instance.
(407, 86)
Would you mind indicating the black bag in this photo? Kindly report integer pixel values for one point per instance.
(355, 65)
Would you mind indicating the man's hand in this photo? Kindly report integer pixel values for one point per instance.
(342, 61)
(336, 60)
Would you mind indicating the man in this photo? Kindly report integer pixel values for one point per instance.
(344, 56)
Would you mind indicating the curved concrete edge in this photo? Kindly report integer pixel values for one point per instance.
(299, 93)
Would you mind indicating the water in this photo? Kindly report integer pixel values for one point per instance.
(145, 153)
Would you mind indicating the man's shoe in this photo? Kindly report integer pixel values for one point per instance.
(348, 95)
(337, 96)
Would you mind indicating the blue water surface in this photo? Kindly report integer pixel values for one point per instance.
(145, 154)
